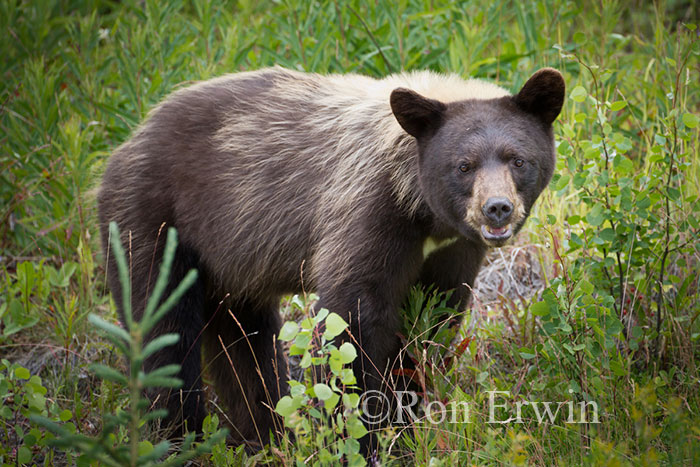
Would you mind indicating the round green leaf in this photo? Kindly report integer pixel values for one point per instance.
(690, 120)
(334, 326)
(322, 391)
(289, 331)
(578, 94)
(595, 215)
(145, 447)
(355, 428)
(24, 455)
(331, 402)
(579, 38)
(21, 373)
(539, 309)
(285, 406)
(347, 352)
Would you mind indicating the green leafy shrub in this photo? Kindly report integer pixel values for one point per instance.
(40, 291)
(321, 411)
(27, 284)
(109, 448)
(22, 396)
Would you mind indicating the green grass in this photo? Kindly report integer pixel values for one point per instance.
(616, 236)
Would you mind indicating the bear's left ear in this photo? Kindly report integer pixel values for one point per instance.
(416, 114)
(543, 95)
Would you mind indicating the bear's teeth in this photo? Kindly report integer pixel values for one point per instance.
(497, 230)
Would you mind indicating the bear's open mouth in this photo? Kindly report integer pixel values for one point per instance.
(496, 234)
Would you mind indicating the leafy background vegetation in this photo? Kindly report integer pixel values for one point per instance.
(597, 301)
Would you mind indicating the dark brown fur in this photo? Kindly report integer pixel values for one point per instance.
(264, 172)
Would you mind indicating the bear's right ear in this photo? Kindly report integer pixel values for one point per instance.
(416, 114)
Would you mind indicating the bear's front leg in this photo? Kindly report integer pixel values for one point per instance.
(454, 267)
(374, 323)
(367, 288)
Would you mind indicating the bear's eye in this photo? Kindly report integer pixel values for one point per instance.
(464, 168)
(518, 162)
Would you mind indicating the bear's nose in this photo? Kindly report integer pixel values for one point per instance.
(497, 210)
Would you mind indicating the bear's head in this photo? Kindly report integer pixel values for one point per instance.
(483, 162)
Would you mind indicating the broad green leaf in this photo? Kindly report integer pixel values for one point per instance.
(65, 415)
(62, 277)
(622, 164)
(305, 361)
(335, 325)
(527, 354)
(347, 376)
(586, 287)
(578, 94)
(690, 120)
(347, 352)
(580, 38)
(24, 455)
(285, 406)
(322, 391)
(351, 400)
(562, 182)
(330, 403)
(355, 428)
(539, 309)
(618, 105)
(22, 373)
(145, 447)
(595, 215)
(321, 315)
(302, 340)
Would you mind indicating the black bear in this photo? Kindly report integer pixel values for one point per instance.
(277, 179)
